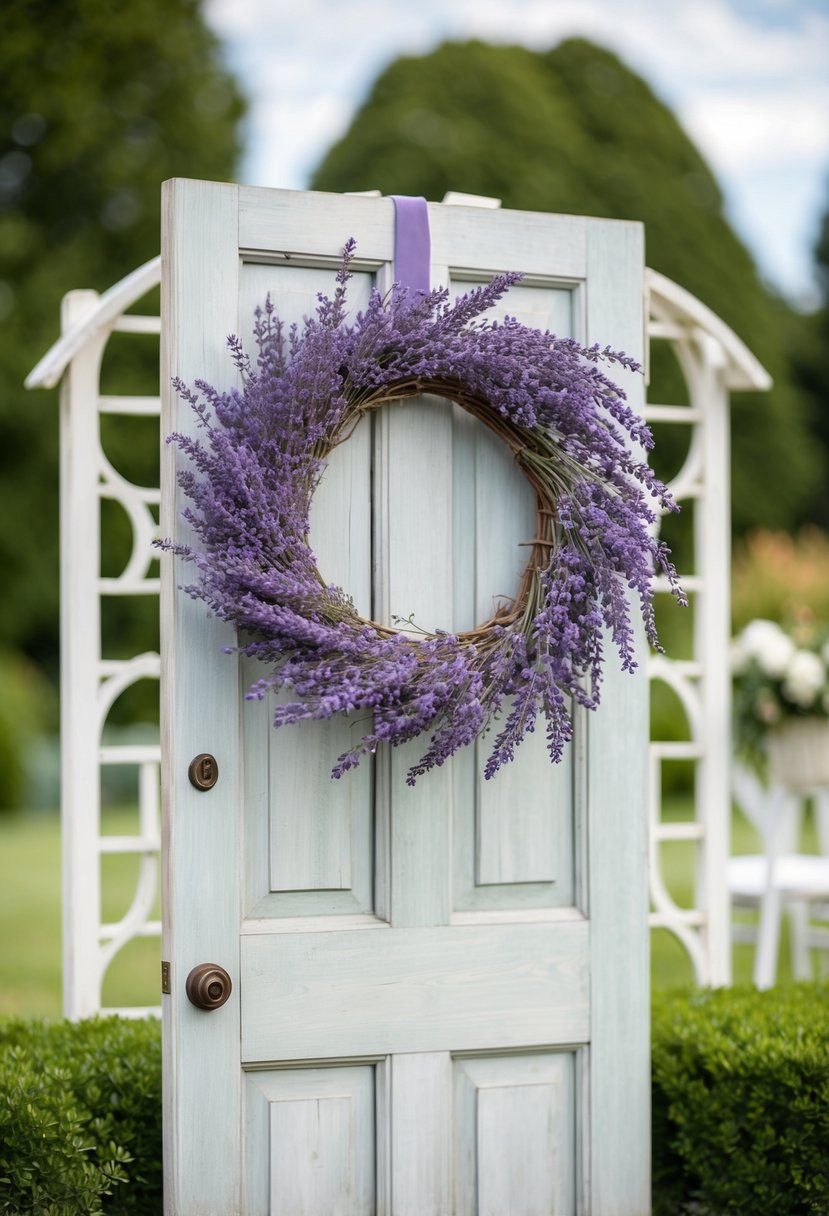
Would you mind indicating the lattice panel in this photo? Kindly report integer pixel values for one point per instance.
(93, 681)
(712, 362)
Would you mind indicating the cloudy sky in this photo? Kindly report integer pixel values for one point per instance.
(748, 80)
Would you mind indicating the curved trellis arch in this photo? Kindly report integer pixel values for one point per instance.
(713, 362)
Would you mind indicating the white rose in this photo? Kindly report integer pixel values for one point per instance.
(766, 642)
(804, 678)
(776, 654)
(776, 657)
(756, 633)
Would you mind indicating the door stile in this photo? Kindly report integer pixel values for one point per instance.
(619, 1148)
(382, 1116)
(421, 1133)
(411, 575)
(200, 713)
(414, 561)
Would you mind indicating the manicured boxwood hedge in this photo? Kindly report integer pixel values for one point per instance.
(740, 1109)
(80, 1118)
(741, 1102)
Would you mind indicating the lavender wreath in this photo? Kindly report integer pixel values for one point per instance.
(569, 428)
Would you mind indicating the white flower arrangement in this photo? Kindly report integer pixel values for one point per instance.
(780, 675)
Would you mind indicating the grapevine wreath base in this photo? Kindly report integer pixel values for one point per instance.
(569, 429)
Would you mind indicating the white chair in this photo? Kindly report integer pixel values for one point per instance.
(780, 878)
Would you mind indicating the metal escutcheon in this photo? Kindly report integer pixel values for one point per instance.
(203, 771)
(208, 986)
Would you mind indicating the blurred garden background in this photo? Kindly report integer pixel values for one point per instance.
(100, 104)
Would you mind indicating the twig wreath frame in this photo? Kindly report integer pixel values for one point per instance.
(570, 431)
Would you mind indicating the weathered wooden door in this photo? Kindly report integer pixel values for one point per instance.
(439, 995)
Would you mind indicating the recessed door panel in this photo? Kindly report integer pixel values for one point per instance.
(314, 1131)
(514, 1135)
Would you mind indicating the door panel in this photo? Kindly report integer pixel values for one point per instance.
(514, 1135)
(321, 833)
(515, 853)
(423, 978)
(513, 835)
(315, 1129)
(319, 838)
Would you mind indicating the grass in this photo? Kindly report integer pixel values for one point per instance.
(30, 918)
(30, 915)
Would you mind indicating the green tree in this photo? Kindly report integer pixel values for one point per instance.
(99, 103)
(574, 130)
(810, 354)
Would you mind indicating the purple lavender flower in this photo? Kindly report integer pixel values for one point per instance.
(254, 472)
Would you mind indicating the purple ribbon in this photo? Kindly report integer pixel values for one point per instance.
(412, 244)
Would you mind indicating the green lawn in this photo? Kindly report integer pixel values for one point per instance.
(30, 918)
(30, 958)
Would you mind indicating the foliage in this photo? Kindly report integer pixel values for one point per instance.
(779, 577)
(810, 356)
(780, 675)
(573, 130)
(741, 1102)
(569, 429)
(99, 103)
(80, 1117)
(28, 707)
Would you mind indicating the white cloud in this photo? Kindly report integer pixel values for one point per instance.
(290, 134)
(712, 40)
(742, 129)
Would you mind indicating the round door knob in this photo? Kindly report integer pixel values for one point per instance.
(208, 986)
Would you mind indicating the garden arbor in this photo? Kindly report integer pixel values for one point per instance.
(489, 891)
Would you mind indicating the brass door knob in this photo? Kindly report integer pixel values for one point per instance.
(208, 986)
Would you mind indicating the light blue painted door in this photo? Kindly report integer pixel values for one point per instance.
(439, 994)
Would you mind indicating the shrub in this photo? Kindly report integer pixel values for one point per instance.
(80, 1117)
(741, 1102)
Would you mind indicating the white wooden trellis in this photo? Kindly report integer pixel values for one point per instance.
(713, 361)
(91, 682)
